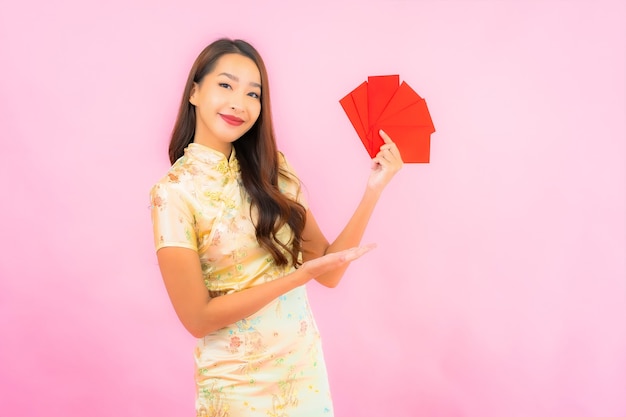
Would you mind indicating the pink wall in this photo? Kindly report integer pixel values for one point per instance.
(499, 285)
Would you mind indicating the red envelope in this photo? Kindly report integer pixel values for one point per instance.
(383, 103)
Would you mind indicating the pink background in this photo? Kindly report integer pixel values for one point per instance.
(499, 285)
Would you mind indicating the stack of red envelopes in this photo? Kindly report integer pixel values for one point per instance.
(382, 102)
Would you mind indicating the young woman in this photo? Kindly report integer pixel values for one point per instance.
(236, 243)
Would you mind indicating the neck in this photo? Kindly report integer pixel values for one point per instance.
(225, 148)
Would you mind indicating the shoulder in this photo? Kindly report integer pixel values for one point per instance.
(289, 182)
(285, 168)
(177, 179)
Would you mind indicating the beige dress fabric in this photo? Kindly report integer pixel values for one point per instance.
(269, 364)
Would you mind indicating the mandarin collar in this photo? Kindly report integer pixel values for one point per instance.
(212, 158)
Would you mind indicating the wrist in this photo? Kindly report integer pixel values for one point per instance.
(372, 193)
(301, 276)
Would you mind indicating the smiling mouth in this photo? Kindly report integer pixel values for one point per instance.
(231, 120)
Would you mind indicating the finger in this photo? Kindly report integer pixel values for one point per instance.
(389, 144)
(378, 162)
(355, 253)
(384, 156)
(391, 150)
(387, 162)
(368, 247)
(385, 137)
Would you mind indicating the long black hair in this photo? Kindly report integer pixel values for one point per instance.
(256, 152)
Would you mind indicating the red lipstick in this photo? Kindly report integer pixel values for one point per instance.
(231, 120)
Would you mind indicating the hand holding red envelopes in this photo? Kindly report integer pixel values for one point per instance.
(382, 102)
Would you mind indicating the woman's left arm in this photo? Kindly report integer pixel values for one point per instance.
(385, 165)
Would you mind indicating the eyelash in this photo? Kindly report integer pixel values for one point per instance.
(253, 95)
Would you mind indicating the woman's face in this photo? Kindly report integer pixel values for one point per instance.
(227, 101)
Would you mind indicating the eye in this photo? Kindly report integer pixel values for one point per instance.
(225, 85)
(254, 95)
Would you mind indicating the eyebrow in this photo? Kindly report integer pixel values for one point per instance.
(234, 78)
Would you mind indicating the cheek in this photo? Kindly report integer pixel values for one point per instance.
(216, 100)
(213, 98)
(255, 111)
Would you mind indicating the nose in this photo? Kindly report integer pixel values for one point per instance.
(236, 109)
(236, 104)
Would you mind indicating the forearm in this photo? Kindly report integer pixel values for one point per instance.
(385, 165)
(201, 314)
(227, 309)
(351, 234)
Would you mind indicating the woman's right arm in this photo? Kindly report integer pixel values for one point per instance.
(201, 314)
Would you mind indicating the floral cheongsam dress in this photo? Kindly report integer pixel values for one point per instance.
(269, 364)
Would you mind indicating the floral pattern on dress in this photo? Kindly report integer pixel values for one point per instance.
(267, 364)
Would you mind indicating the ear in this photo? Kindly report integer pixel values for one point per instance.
(193, 99)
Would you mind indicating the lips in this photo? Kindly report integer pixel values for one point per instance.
(231, 120)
